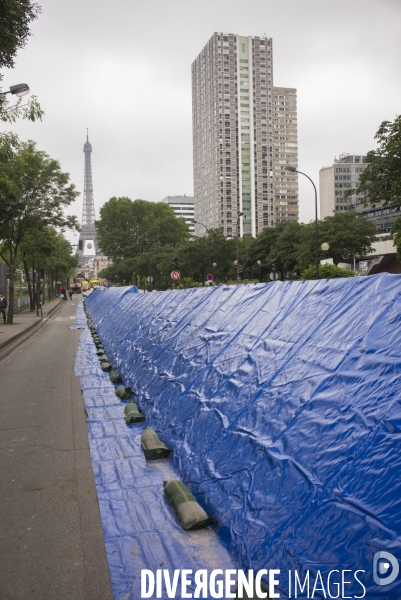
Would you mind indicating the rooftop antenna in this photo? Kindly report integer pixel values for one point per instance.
(87, 134)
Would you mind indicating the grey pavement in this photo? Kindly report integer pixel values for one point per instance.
(25, 324)
(51, 540)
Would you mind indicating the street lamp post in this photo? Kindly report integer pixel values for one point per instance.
(238, 218)
(259, 262)
(294, 170)
(214, 265)
(208, 238)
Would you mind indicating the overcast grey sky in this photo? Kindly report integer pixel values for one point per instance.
(123, 69)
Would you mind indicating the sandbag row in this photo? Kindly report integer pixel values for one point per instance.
(190, 514)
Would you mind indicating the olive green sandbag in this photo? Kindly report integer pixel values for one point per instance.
(105, 366)
(123, 392)
(133, 414)
(245, 596)
(114, 376)
(190, 514)
(152, 446)
(100, 351)
(104, 358)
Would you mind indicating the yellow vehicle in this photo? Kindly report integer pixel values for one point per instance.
(95, 282)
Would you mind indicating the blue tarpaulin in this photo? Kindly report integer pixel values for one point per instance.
(140, 529)
(282, 405)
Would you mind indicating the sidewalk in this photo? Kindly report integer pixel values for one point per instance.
(51, 537)
(25, 324)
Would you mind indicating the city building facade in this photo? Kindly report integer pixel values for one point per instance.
(183, 206)
(343, 175)
(244, 134)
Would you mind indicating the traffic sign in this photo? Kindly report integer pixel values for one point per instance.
(274, 275)
(210, 277)
(149, 279)
(176, 275)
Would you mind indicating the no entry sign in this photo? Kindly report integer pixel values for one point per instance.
(175, 275)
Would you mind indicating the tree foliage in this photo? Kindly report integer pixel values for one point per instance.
(33, 192)
(15, 19)
(127, 229)
(381, 179)
(291, 245)
(348, 234)
(396, 231)
(45, 248)
(327, 271)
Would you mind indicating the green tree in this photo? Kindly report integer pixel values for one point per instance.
(327, 271)
(285, 248)
(38, 190)
(396, 231)
(279, 243)
(380, 181)
(15, 19)
(348, 234)
(35, 247)
(60, 264)
(127, 229)
(47, 249)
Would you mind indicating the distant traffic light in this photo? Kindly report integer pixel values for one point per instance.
(175, 264)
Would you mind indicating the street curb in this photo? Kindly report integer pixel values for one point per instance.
(8, 346)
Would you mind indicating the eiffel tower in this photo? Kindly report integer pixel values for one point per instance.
(87, 245)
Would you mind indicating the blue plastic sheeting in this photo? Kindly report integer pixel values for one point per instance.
(102, 300)
(282, 405)
(140, 529)
(80, 318)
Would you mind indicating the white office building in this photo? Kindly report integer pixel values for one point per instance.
(183, 206)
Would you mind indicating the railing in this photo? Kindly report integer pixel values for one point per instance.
(20, 303)
(369, 265)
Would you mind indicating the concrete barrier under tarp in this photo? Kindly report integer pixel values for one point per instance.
(281, 403)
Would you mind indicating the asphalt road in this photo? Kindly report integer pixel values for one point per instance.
(51, 541)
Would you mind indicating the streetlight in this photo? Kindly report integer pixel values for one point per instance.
(294, 170)
(214, 265)
(208, 238)
(21, 89)
(237, 262)
(259, 262)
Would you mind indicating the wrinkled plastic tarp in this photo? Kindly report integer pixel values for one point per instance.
(141, 531)
(102, 300)
(282, 405)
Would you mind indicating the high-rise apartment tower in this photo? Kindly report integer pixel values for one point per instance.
(244, 134)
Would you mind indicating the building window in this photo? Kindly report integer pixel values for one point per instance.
(242, 47)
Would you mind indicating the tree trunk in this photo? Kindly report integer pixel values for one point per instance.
(10, 314)
(28, 280)
(32, 305)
